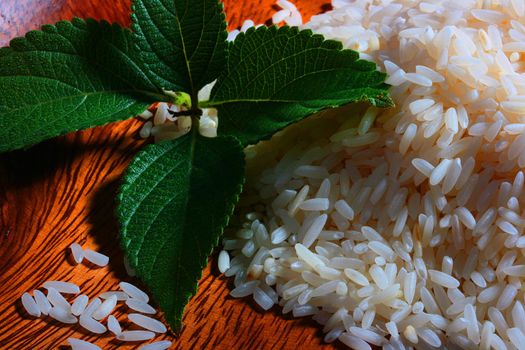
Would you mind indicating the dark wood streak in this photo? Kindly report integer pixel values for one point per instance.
(62, 191)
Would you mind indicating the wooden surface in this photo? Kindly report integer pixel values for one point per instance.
(62, 191)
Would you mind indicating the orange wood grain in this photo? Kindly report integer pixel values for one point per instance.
(62, 191)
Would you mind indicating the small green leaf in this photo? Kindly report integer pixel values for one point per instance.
(276, 77)
(182, 42)
(66, 77)
(174, 203)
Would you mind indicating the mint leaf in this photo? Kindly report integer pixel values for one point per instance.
(174, 203)
(182, 42)
(66, 77)
(276, 77)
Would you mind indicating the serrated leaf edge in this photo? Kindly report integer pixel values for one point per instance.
(123, 231)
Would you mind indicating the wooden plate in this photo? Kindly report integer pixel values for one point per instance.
(62, 191)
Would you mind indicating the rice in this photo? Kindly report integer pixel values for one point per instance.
(147, 323)
(92, 325)
(354, 342)
(313, 232)
(96, 257)
(429, 336)
(114, 325)
(78, 344)
(105, 308)
(410, 216)
(160, 345)
(316, 204)
(121, 296)
(135, 335)
(410, 334)
(280, 16)
(62, 315)
(146, 115)
(30, 305)
(93, 305)
(506, 297)
(224, 261)
(79, 305)
(133, 291)
(140, 306)
(472, 323)
(77, 252)
(344, 209)
(516, 336)
(43, 304)
(262, 299)
(367, 335)
(57, 307)
(56, 299)
(62, 287)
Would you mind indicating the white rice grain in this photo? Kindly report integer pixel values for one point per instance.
(56, 299)
(121, 296)
(92, 325)
(77, 252)
(114, 325)
(133, 291)
(96, 257)
(159, 345)
(43, 304)
(223, 261)
(62, 315)
(105, 308)
(92, 307)
(354, 342)
(135, 335)
(147, 323)
(314, 230)
(140, 306)
(79, 305)
(30, 305)
(78, 344)
(62, 287)
(316, 204)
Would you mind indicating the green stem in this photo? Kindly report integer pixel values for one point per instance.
(205, 104)
(179, 98)
(196, 113)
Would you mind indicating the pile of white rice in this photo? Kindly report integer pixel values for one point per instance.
(403, 229)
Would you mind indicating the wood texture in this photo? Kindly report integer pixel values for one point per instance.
(62, 191)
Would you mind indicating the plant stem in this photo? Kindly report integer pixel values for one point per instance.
(188, 113)
(195, 106)
(196, 113)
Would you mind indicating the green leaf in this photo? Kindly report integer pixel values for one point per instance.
(66, 77)
(174, 203)
(182, 42)
(276, 77)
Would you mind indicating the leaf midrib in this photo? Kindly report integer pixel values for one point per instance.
(84, 94)
(188, 189)
(213, 104)
(183, 218)
(183, 43)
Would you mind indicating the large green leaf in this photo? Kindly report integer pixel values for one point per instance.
(174, 203)
(66, 77)
(182, 42)
(275, 77)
